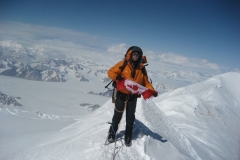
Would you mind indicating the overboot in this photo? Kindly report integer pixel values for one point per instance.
(128, 136)
(112, 133)
(128, 140)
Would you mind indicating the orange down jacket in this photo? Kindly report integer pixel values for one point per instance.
(139, 78)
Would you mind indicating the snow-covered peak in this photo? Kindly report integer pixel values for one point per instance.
(200, 121)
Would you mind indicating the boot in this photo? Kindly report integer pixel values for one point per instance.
(112, 133)
(111, 137)
(128, 135)
(128, 140)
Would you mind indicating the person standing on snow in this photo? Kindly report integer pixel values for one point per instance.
(135, 71)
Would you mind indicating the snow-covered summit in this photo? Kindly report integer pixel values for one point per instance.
(200, 121)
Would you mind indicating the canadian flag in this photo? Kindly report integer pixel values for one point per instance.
(135, 88)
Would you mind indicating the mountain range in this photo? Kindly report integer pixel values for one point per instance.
(59, 108)
(34, 63)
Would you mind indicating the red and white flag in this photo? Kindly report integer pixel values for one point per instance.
(135, 88)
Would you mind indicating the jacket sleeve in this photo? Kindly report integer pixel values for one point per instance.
(115, 70)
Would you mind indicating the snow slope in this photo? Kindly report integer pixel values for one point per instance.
(200, 121)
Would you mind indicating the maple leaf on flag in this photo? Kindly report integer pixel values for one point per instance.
(135, 88)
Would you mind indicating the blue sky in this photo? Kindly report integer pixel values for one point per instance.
(196, 29)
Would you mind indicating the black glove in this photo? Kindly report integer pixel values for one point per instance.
(155, 94)
(119, 77)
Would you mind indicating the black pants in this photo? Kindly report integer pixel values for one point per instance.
(130, 112)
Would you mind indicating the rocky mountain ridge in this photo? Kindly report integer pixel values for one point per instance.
(9, 100)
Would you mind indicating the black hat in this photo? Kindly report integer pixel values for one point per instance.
(137, 49)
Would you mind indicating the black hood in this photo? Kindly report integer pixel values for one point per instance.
(137, 49)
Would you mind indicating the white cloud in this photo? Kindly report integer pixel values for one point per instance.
(119, 48)
(29, 34)
(65, 42)
(208, 64)
(53, 41)
(173, 58)
(185, 61)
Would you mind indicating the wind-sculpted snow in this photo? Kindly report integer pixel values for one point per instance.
(85, 140)
(202, 122)
(161, 124)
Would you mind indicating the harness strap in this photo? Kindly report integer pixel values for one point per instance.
(125, 105)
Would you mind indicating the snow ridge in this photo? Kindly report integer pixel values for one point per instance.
(161, 124)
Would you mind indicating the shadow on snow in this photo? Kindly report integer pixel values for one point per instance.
(139, 130)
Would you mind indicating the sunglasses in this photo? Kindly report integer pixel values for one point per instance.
(135, 54)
